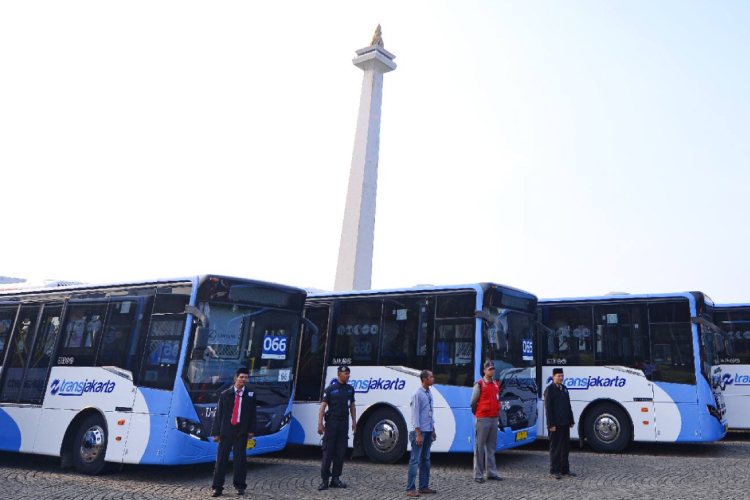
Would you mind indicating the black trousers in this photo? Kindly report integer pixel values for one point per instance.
(335, 439)
(237, 444)
(559, 448)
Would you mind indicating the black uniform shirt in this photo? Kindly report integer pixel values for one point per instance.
(557, 404)
(338, 397)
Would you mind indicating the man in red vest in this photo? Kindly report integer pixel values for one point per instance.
(485, 403)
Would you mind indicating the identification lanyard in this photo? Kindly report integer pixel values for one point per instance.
(429, 398)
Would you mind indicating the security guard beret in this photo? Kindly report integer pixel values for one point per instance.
(556, 371)
(344, 369)
(242, 370)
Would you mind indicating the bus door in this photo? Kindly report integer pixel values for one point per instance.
(622, 354)
(312, 359)
(310, 373)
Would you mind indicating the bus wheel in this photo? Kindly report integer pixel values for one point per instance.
(607, 429)
(90, 445)
(384, 436)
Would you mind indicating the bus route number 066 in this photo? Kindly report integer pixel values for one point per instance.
(274, 347)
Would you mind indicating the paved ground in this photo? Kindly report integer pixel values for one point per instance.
(717, 471)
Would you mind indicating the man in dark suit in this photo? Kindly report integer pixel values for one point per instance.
(234, 424)
(559, 422)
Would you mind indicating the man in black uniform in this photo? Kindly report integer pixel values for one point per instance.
(234, 424)
(559, 422)
(339, 399)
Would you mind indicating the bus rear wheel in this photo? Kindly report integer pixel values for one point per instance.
(384, 436)
(90, 445)
(607, 429)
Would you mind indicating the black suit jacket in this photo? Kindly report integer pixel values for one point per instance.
(223, 420)
(557, 404)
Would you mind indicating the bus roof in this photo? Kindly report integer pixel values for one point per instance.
(157, 281)
(733, 305)
(611, 298)
(423, 288)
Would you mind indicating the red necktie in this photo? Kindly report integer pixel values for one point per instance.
(236, 411)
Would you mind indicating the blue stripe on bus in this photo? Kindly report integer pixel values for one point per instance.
(296, 432)
(10, 434)
(158, 403)
(458, 399)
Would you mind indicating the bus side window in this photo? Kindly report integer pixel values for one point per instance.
(622, 335)
(570, 338)
(166, 330)
(407, 332)
(455, 328)
(18, 353)
(356, 332)
(736, 326)
(41, 355)
(7, 315)
(671, 338)
(81, 332)
(159, 366)
(124, 333)
(672, 347)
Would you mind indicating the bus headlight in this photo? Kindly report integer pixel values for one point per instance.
(285, 421)
(714, 412)
(191, 428)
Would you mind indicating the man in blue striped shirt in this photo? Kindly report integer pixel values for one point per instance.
(421, 437)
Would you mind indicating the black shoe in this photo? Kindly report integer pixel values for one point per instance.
(494, 478)
(240, 491)
(215, 493)
(555, 475)
(570, 474)
(323, 486)
(337, 483)
(479, 479)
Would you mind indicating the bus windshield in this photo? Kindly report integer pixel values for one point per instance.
(259, 338)
(509, 347)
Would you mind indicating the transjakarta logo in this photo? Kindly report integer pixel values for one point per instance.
(736, 380)
(78, 388)
(366, 385)
(583, 383)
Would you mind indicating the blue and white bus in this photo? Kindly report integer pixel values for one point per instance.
(638, 367)
(734, 353)
(131, 372)
(389, 336)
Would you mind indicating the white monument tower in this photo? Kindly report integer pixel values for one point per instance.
(354, 268)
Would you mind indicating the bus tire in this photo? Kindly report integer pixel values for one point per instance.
(607, 428)
(90, 445)
(384, 436)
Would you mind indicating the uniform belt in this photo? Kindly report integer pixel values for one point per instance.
(336, 417)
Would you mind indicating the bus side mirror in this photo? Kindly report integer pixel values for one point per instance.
(201, 338)
(501, 340)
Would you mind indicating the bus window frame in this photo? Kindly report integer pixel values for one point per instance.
(72, 302)
(29, 348)
(52, 303)
(4, 354)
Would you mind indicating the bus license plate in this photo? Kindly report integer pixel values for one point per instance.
(250, 444)
(520, 436)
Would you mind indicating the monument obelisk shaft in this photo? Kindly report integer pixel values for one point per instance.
(354, 268)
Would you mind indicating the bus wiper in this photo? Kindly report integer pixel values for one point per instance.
(240, 318)
(273, 390)
(707, 324)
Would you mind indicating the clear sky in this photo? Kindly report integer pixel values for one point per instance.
(566, 148)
